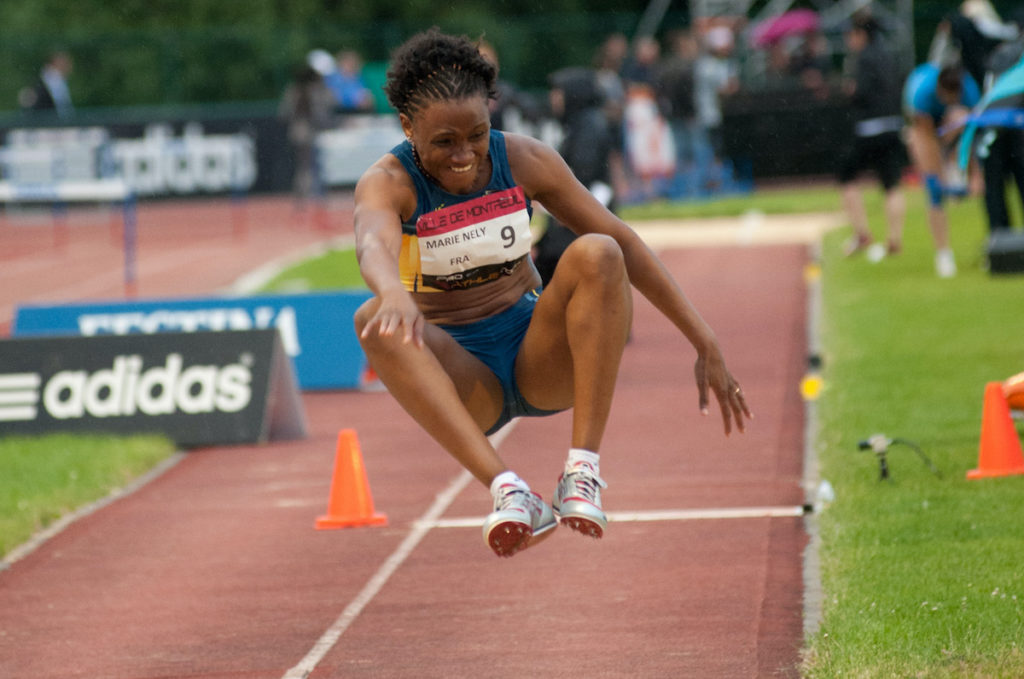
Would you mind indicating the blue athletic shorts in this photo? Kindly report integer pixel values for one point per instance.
(495, 341)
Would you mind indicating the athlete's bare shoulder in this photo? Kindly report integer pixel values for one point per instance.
(386, 184)
(535, 165)
(523, 149)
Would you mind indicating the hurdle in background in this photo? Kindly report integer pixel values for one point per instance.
(85, 191)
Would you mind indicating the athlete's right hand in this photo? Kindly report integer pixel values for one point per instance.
(397, 312)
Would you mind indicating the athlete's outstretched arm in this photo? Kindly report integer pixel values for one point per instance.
(547, 179)
(378, 228)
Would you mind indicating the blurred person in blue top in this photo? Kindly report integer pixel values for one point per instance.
(342, 76)
(458, 328)
(937, 99)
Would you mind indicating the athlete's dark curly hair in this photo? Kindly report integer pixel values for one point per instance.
(432, 66)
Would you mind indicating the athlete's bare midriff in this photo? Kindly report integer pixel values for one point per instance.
(457, 307)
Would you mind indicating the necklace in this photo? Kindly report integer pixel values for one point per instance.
(419, 165)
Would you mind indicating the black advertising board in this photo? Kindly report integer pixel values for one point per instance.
(198, 389)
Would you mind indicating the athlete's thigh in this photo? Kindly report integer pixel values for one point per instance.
(544, 368)
(478, 388)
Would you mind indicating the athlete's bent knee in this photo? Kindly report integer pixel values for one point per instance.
(598, 252)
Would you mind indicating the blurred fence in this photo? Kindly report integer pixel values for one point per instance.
(191, 151)
(219, 150)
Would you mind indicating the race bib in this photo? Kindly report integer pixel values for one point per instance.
(475, 242)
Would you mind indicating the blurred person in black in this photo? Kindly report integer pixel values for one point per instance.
(307, 107)
(811, 64)
(872, 83)
(51, 93)
(1001, 147)
(511, 101)
(609, 60)
(589, 149)
(972, 32)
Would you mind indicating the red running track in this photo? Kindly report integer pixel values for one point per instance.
(214, 570)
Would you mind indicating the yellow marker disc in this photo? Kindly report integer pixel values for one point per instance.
(812, 272)
(811, 386)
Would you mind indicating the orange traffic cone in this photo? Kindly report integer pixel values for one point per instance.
(1000, 451)
(369, 381)
(350, 503)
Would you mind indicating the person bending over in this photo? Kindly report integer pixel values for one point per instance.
(458, 328)
(934, 99)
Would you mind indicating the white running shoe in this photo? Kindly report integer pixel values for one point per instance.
(945, 264)
(520, 519)
(875, 253)
(578, 500)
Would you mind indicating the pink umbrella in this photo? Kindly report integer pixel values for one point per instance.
(796, 21)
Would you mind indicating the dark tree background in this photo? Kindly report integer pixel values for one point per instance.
(180, 52)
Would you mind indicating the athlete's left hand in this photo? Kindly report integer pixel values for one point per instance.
(710, 371)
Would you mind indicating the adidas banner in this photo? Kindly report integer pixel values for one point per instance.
(202, 388)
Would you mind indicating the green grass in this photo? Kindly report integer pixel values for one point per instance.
(42, 478)
(923, 576)
(335, 269)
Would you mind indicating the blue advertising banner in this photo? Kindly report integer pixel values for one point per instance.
(315, 328)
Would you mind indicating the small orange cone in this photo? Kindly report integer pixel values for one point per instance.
(369, 381)
(350, 503)
(1000, 451)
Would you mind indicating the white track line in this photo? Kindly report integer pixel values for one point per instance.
(431, 519)
(419, 530)
(658, 515)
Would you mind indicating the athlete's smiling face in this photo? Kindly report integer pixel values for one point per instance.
(451, 139)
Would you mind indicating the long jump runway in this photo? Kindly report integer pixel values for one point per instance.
(214, 569)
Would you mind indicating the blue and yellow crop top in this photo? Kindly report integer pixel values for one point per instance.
(477, 242)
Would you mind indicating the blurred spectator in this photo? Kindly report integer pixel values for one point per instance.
(777, 67)
(351, 91)
(308, 107)
(648, 140)
(642, 67)
(589, 149)
(872, 85)
(51, 92)
(937, 99)
(969, 35)
(608, 63)
(675, 89)
(342, 77)
(511, 101)
(1001, 147)
(812, 64)
(716, 75)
